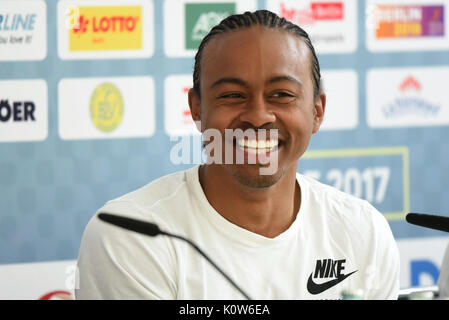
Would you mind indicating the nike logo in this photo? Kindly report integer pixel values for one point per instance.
(315, 288)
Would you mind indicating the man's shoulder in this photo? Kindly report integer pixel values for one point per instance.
(157, 189)
(343, 206)
(147, 200)
(328, 193)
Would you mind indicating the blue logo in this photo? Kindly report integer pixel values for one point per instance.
(420, 267)
(413, 106)
(17, 22)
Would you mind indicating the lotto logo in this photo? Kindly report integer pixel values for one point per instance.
(106, 24)
(89, 30)
(107, 28)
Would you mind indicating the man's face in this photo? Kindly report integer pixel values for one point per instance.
(259, 78)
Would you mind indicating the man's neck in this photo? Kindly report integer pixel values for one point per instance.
(266, 211)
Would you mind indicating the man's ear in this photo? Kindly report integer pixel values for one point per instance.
(195, 108)
(318, 112)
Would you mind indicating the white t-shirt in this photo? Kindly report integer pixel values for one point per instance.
(337, 242)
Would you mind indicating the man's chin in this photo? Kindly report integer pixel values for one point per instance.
(250, 175)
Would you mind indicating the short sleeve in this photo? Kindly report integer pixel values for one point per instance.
(114, 263)
(383, 274)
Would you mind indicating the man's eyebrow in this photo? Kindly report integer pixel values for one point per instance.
(245, 84)
(229, 80)
(286, 78)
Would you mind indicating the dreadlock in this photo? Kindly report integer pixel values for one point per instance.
(263, 18)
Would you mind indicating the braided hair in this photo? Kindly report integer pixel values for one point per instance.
(263, 18)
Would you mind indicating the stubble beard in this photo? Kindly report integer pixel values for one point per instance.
(254, 179)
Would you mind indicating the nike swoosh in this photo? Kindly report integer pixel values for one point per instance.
(315, 288)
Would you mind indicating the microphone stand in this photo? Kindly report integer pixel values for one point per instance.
(151, 229)
(210, 261)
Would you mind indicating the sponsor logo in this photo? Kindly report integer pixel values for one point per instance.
(327, 269)
(16, 111)
(94, 108)
(410, 83)
(107, 28)
(423, 268)
(420, 266)
(53, 283)
(331, 25)
(196, 18)
(316, 11)
(57, 295)
(409, 21)
(178, 120)
(409, 103)
(23, 110)
(402, 97)
(17, 22)
(106, 107)
(201, 17)
(341, 88)
(88, 29)
(186, 114)
(23, 30)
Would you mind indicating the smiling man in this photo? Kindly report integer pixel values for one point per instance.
(278, 234)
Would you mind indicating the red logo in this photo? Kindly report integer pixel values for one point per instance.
(186, 115)
(410, 83)
(107, 24)
(327, 10)
(63, 295)
(317, 11)
(186, 89)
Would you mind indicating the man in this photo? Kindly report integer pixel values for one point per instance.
(279, 235)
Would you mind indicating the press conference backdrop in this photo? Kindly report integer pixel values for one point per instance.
(93, 104)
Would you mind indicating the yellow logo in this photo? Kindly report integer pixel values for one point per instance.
(106, 107)
(102, 28)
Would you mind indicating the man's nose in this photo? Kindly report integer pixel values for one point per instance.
(258, 113)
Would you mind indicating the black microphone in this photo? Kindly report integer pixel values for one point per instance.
(429, 221)
(153, 230)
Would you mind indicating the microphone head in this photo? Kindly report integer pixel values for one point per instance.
(143, 227)
(440, 223)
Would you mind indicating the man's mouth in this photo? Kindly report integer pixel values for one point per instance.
(256, 146)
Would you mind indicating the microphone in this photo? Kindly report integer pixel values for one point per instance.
(152, 230)
(440, 223)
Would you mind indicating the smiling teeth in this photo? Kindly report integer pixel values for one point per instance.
(257, 144)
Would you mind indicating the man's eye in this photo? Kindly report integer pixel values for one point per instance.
(282, 94)
(231, 96)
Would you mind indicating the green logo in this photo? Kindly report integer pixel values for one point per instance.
(106, 107)
(201, 17)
